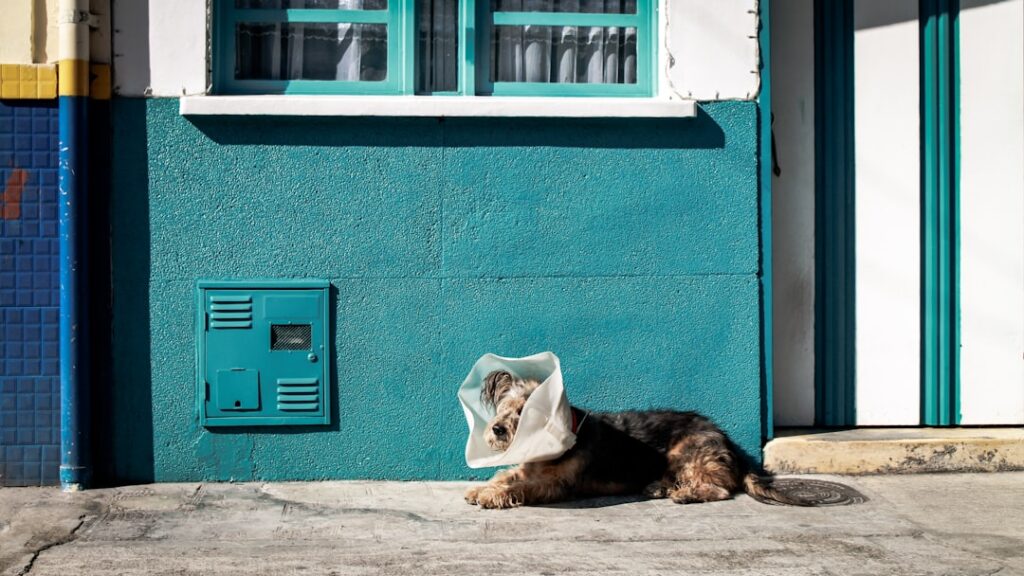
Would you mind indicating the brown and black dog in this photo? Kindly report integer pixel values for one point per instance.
(660, 453)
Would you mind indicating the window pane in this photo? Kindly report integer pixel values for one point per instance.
(563, 54)
(314, 4)
(292, 51)
(437, 42)
(591, 6)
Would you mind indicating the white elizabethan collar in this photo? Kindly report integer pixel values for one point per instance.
(545, 427)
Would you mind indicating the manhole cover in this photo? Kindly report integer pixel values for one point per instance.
(817, 492)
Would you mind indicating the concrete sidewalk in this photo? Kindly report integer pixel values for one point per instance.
(913, 524)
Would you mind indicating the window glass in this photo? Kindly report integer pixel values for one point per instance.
(437, 45)
(592, 6)
(564, 54)
(328, 51)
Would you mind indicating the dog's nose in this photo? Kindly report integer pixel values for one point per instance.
(498, 430)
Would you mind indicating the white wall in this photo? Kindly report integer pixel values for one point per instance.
(16, 32)
(992, 211)
(793, 211)
(160, 47)
(711, 52)
(888, 214)
(29, 32)
(714, 49)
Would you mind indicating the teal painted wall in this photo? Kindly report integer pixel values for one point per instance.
(629, 248)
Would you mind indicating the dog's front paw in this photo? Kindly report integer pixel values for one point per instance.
(472, 493)
(498, 498)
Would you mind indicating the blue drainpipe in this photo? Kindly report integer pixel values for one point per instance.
(73, 94)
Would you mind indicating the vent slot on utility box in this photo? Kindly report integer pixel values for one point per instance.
(298, 394)
(231, 311)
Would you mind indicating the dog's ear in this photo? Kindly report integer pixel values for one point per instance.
(496, 385)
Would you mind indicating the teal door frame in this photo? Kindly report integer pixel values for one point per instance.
(834, 203)
(940, 212)
(765, 144)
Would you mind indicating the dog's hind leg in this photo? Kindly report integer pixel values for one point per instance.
(702, 470)
(660, 488)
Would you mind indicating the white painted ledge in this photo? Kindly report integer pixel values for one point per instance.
(436, 106)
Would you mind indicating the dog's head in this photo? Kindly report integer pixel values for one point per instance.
(507, 394)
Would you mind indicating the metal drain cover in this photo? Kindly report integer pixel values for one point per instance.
(817, 492)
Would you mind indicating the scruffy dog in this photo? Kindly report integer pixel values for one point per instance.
(661, 453)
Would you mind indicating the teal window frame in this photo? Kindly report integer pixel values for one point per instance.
(400, 42)
(476, 23)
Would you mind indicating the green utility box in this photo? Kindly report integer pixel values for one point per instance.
(263, 353)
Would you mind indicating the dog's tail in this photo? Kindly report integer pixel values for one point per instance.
(760, 488)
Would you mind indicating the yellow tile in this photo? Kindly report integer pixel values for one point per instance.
(48, 73)
(47, 90)
(9, 72)
(28, 81)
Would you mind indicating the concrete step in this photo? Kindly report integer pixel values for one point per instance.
(895, 450)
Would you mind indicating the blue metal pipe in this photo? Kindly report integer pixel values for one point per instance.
(74, 381)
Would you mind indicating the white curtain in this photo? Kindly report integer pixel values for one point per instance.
(349, 38)
(291, 51)
(565, 54)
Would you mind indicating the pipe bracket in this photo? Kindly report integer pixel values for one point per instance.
(78, 17)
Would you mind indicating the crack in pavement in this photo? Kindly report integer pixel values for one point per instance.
(69, 537)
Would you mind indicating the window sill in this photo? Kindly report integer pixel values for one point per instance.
(437, 106)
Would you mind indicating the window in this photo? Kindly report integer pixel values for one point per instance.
(568, 47)
(309, 46)
(439, 47)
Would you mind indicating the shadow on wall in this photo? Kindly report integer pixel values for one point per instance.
(99, 361)
(131, 47)
(41, 20)
(698, 132)
(888, 13)
(123, 451)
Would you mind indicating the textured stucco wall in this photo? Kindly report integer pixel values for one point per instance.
(628, 248)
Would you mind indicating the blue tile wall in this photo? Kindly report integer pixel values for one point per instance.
(29, 251)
